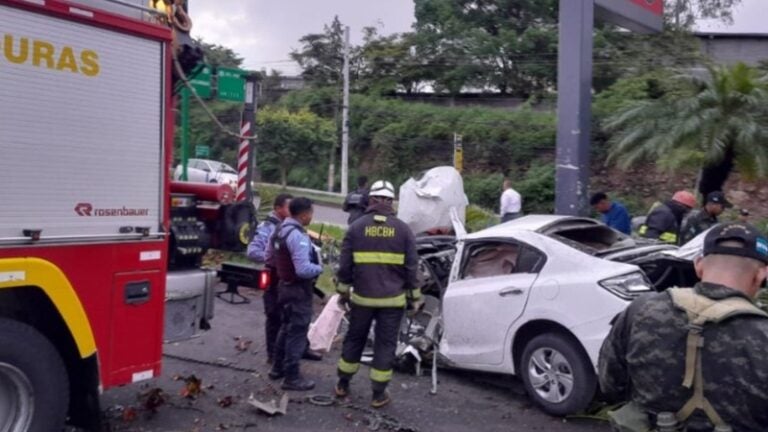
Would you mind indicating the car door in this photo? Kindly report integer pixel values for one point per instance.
(488, 294)
(197, 171)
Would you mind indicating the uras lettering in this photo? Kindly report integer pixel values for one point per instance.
(43, 54)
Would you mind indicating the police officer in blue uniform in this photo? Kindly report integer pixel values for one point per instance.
(298, 268)
(258, 253)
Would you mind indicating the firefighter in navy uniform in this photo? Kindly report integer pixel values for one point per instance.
(356, 203)
(259, 253)
(379, 260)
(297, 268)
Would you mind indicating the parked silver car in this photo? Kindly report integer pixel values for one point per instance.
(208, 171)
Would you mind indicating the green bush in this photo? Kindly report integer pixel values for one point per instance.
(394, 139)
(478, 218)
(484, 190)
(538, 188)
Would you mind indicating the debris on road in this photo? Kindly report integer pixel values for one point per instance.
(129, 415)
(225, 402)
(242, 344)
(151, 400)
(272, 407)
(193, 387)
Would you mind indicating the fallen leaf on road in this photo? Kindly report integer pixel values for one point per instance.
(243, 345)
(129, 415)
(153, 399)
(193, 387)
(225, 402)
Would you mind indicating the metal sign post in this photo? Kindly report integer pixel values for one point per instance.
(574, 87)
(458, 152)
(184, 132)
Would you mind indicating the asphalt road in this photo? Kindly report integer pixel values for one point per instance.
(330, 214)
(464, 401)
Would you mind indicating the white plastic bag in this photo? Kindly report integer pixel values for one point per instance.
(426, 201)
(324, 329)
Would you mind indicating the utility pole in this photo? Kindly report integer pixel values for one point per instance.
(574, 98)
(345, 119)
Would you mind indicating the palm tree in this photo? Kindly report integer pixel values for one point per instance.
(715, 123)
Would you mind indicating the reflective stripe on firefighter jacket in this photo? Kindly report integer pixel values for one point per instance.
(378, 258)
(662, 222)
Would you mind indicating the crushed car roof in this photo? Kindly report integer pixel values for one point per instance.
(525, 223)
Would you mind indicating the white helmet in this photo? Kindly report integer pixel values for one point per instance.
(383, 189)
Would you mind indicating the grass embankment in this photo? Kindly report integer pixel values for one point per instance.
(268, 193)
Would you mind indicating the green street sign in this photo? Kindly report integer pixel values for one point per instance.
(202, 151)
(231, 84)
(202, 82)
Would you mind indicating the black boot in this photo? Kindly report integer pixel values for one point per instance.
(380, 399)
(342, 386)
(276, 374)
(298, 383)
(311, 355)
(380, 395)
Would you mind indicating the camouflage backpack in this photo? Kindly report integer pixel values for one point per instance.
(700, 311)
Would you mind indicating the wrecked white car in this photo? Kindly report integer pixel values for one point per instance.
(533, 297)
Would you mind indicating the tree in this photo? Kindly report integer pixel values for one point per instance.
(715, 123)
(219, 55)
(321, 57)
(683, 14)
(507, 45)
(390, 64)
(288, 138)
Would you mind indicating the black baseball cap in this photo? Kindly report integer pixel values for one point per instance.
(754, 243)
(717, 197)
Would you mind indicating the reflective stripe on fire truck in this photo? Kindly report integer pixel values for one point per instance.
(52, 281)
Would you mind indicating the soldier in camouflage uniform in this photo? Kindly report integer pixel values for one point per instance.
(643, 360)
(698, 221)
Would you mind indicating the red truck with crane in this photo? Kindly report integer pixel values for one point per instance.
(89, 221)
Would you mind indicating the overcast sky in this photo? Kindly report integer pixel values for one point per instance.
(264, 32)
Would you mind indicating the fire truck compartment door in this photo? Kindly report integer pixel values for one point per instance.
(137, 323)
(81, 129)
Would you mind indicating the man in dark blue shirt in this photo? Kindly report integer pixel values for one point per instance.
(614, 214)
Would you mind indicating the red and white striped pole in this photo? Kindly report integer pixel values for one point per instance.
(245, 150)
(243, 157)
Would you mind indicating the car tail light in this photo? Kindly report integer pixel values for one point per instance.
(265, 279)
(628, 286)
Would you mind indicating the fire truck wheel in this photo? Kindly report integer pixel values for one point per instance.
(34, 388)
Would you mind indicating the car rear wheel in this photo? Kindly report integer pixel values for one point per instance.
(34, 388)
(557, 374)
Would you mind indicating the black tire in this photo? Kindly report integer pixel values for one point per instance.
(576, 364)
(24, 348)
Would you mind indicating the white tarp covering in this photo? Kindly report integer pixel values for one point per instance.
(426, 201)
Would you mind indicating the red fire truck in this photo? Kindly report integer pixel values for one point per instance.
(86, 133)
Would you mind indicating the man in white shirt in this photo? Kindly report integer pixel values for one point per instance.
(511, 203)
